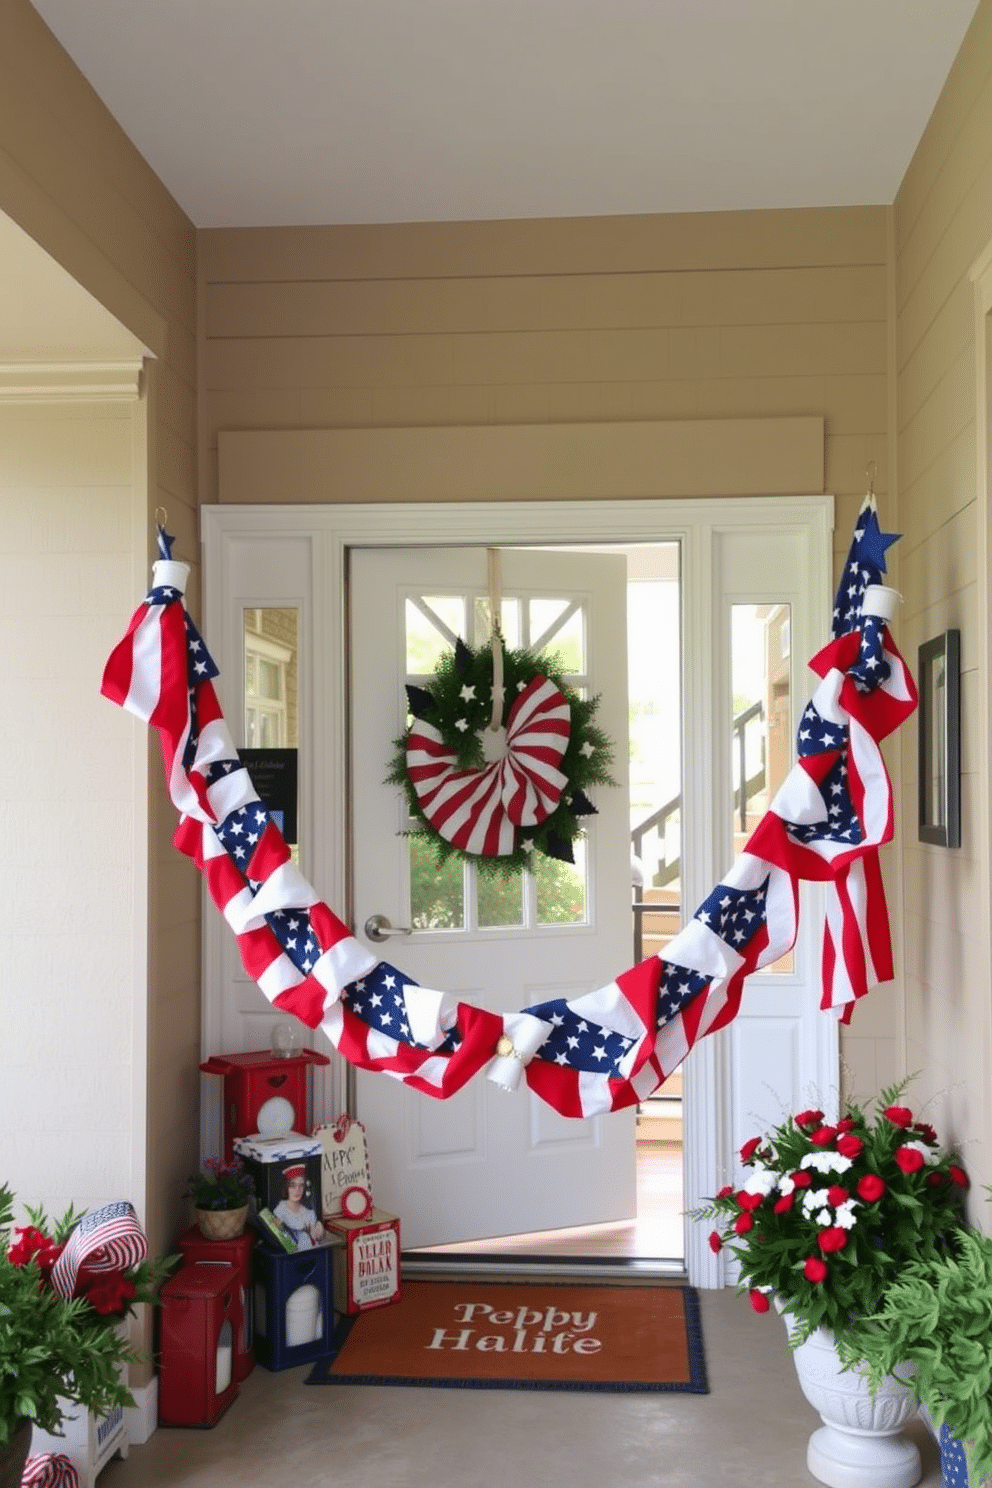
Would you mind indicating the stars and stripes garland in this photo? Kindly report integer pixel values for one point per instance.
(605, 1049)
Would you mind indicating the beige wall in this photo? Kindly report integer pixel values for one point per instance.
(943, 221)
(740, 315)
(74, 183)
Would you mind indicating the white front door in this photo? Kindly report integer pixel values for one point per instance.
(486, 1162)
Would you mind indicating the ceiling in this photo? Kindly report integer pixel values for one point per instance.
(256, 113)
(276, 112)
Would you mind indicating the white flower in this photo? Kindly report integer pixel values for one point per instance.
(845, 1216)
(825, 1218)
(762, 1181)
(785, 1185)
(814, 1198)
(826, 1162)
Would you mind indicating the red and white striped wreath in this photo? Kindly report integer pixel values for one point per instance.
(500, 793)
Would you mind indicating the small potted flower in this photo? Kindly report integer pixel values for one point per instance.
(826, 1222)
(221, 1193)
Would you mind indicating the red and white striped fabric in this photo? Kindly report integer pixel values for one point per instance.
(108, 1239)
(49, 1470)
(479, 811)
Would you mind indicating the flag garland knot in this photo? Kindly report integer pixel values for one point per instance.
(601, 1050)
(497, 796)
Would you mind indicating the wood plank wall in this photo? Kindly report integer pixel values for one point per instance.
(943, 222)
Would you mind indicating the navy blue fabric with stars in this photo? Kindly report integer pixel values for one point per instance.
(736, 915)
(377, 998)
(865, 565)
(579, 1043)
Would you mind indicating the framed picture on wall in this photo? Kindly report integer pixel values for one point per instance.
(938, 679)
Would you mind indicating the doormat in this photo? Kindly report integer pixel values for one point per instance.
(497, 1336)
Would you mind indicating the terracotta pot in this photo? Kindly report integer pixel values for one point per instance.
(221, 1224)
(14, 1455)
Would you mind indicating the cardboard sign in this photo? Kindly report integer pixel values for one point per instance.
(344, 1165)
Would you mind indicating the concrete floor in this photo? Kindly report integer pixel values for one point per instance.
(751, 1429)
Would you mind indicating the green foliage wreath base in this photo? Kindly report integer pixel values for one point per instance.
(442, 704)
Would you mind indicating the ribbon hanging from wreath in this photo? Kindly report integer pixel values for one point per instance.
(499, 757)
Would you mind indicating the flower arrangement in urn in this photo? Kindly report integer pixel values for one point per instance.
(832, 1212)
(65, 1285)
(221, 1193)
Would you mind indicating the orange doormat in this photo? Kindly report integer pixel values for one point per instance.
(496, 1335)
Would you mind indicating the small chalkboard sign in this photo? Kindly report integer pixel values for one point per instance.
(274, 775)
(344, 1168)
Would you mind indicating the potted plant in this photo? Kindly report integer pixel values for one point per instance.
(937, 1316)
(828, 1218)
(57, 1351)
(221, 1193)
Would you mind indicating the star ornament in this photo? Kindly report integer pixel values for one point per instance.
(871, 543)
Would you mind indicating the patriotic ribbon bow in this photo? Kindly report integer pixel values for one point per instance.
(107, 1239)
(479, 810)
(49, 1470)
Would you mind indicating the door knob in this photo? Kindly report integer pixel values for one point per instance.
(378, 928)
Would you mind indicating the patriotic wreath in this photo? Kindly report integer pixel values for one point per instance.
(495, 797)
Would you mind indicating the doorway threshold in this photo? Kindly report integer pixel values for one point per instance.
(654, 1269)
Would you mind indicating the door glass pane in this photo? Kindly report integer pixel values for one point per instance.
(433, 623)
(509, 616)
(561, 888)
(437, 894)
(762, 718)
(271, 716)
(500, 900)
(557, 628)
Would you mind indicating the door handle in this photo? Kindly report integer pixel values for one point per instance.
(378, 928)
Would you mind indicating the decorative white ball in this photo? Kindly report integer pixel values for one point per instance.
(275, 1117)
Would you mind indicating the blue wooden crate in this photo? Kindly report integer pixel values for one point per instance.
(294, 1304)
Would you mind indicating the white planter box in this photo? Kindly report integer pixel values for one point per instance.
(89, 1442)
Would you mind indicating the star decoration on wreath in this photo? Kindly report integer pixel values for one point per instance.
(496, 796)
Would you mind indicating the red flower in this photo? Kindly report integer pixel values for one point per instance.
(743, 1223)
(815, 1269)
(850, 1146)
(809, 1118)
(111, 1295)
(716, 1244)
(846, 1125)
(910, 1159)
(927, 1133)
(759, 1301)
(959, 1176)
(749, 1149)
(726, 1191)
(749, 1200)
(899, 1115)
(871, 1187)
(34, 1245)
(801, 1178)
(785, 1203)
(935, 1179)
(823, 1136)
(837, 1195)
(832, 1239)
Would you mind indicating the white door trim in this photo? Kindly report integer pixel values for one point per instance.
(329, 531)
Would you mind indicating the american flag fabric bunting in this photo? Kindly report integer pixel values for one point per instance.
(605, 1049)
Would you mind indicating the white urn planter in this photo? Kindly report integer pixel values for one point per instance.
(860, 1444)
